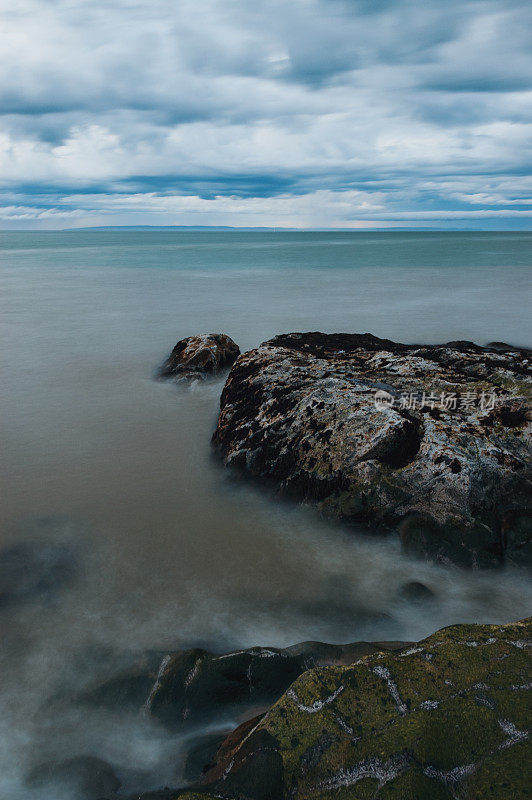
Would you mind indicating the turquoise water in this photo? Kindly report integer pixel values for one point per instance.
(279, 250)
(406, 285)
(171, 552)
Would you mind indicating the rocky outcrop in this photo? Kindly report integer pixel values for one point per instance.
(197, 356)
(445, 718)
(433, 441)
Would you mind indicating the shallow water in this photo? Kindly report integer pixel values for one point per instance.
(116, 467)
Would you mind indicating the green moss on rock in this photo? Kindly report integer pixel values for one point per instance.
(442, 719)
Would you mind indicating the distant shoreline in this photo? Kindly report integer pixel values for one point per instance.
(258, 229)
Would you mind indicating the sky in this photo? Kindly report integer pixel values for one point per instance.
(284, 113)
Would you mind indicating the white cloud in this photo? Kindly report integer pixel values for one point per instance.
(274, 98)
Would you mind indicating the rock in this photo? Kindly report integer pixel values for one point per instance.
(197, 356)
(194, 684)
(80, 778)
(416, 591)
(330, 419)
(441, 719)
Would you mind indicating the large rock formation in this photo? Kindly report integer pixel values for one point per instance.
(432, 440)
(444, 718)
(197, 356)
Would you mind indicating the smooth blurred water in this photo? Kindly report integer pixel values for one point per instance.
(169, 551)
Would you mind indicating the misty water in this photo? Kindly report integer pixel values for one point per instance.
(108, 474)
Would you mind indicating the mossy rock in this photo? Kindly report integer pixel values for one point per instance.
(446, 718)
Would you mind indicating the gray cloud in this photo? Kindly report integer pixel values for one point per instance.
(422, 108)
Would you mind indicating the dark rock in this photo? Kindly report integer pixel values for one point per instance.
(256, 771)
(444, 719)
(416, 591)
(196, 356)
(516, 530)
(82, 778)
(300, 412)
(194, 684)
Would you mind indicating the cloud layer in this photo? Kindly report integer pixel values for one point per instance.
(312, 113)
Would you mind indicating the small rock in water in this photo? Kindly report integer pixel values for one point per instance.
(417, 591)
(197, 356)
(82, 778)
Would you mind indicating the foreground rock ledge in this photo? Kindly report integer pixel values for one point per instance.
(453, 476)
(441, 719)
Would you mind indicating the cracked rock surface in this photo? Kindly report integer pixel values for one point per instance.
(443, 457)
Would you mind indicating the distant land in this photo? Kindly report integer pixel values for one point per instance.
(264, 229)
(174, 228)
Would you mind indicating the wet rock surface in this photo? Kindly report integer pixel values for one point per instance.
(442, 454)
(197, 356)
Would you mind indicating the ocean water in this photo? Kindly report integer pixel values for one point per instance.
(138, 538)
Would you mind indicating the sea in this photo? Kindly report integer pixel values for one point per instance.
(120, 532)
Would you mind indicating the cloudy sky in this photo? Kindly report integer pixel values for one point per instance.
(314, 113)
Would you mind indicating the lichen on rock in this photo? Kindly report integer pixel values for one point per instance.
(197, 356)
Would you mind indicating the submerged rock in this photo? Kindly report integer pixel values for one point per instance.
(82, 778)
(38, 568)
(415, 591)
(441, 719)
(196, 356)
(434, 441)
